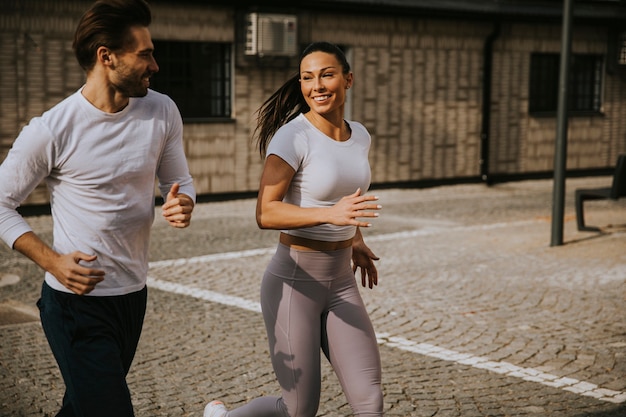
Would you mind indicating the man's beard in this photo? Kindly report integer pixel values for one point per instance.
(132, 88)
(129, 84)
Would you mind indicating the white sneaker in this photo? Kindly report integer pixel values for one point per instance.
(215, 409)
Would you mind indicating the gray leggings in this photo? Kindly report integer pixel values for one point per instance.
(310, 300)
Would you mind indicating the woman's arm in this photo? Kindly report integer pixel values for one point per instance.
(273, 213)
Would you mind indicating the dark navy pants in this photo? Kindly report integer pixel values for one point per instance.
(93, 340)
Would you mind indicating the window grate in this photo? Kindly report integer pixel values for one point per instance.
(584, 88)
(196, 75)
(621, 59)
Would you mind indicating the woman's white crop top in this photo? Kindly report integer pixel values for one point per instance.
(326, 170)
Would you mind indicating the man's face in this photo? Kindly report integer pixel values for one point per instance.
(135, 65)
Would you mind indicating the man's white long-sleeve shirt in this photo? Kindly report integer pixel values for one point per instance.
(100, 169)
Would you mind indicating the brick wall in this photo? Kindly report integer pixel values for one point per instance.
(521, 143)
(418, 89)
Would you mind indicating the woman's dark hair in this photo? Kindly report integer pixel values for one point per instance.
(287, 102)
(107, 23)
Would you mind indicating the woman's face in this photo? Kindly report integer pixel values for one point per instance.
(323, 83)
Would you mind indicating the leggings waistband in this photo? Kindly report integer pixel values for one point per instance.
(302, 243)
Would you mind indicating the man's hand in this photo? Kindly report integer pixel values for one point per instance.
(78, 278)
(66, 268)
(177, 208)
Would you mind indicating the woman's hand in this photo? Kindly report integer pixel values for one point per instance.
(363, 257)
(353, 206)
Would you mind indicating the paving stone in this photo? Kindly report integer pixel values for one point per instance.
(467, 269)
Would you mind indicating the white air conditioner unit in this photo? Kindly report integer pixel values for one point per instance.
(271, 34)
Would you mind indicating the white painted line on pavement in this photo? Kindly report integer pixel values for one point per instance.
(374, 238)
(479, 362)
(212, 257)
(212, 296)
(505, 368)
(433, 230)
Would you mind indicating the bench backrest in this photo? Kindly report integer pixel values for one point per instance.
(619, 179)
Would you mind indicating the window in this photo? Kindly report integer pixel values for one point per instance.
(585, 83)
(621, 59)
(197, 76)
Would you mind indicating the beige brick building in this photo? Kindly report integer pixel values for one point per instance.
(448, 94)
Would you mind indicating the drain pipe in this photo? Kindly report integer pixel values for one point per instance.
(486, 110)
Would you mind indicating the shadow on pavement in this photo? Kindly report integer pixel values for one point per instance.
(619, 411)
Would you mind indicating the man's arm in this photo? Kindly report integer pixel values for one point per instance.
(65, 268)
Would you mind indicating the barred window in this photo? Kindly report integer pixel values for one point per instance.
(584, 89)
(197, 76)
(621, 59)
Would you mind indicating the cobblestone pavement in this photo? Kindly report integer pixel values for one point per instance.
(476, 314)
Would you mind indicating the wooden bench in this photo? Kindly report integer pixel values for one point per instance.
(616, 191)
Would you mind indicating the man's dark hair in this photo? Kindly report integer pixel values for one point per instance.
(107, 23)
